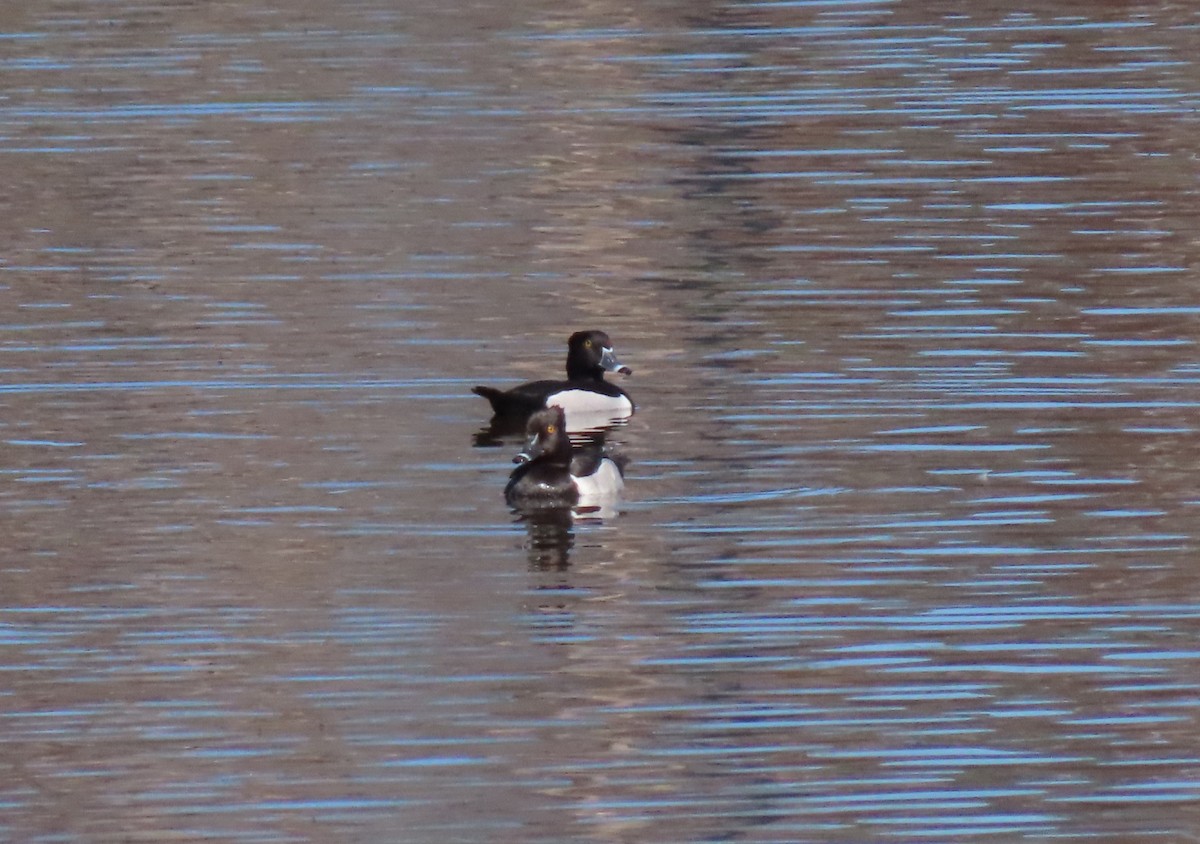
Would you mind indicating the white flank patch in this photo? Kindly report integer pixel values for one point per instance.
(586, 410)
(601, 490)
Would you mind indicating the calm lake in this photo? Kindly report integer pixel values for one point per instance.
(908, 550)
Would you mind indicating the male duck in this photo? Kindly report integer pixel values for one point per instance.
(550, 476)
(585, 394)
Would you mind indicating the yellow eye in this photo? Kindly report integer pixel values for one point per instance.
(549, 429)
(587, 344)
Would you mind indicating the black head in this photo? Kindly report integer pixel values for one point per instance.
(590, 354)
(547, 438)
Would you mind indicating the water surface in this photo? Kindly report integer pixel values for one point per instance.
(908, 551)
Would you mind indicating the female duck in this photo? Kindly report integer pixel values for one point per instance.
(585, 393)
(548, 477)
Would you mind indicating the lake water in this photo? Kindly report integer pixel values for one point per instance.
(909, 545)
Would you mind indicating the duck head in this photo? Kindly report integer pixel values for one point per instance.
(546, 438)
(590, 354)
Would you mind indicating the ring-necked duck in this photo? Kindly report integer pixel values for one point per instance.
(585, 394)
(551, 475)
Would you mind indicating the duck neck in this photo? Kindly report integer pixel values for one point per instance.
(580, 371)
(557, 452)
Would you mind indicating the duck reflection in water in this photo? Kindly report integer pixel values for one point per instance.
(551, 538)
(556, 483)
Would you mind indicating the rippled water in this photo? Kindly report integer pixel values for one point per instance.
(909, 545)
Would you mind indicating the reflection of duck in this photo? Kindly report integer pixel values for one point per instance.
(550, 539)
(588, 399)
(552, 476)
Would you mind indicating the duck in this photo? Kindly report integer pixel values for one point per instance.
(584, 395)
(551, 475)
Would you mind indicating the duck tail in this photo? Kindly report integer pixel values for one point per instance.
(494, 396)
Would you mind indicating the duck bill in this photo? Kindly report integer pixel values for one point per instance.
(532, 449)
(609, 362)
